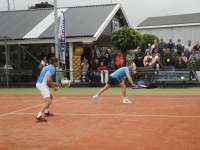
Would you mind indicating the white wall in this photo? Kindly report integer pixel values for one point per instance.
(184, 33)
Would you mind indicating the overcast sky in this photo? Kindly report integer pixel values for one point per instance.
(136, 10)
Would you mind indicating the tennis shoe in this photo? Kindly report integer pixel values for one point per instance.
(95, 98)
(126, 101)
(48, 115)
(40, 119)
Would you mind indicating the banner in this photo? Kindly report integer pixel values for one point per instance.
(61, 39)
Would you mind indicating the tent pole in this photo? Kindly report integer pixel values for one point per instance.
(6, 52)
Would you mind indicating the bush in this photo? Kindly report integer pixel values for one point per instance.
(126, 38)
(149, 38)
(197, 64)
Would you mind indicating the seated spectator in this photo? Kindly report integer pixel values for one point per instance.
(157, 66)
(9, 65)
(174, 57)
(157, 54)
(139, 58)
(164, 51)
(183, 57)
(15, 65)
(103, 58)
(84, 69)
(112, 55)
(102, 67)
(198, 53)
(94, 74)
(180, 63)
(196, 47)
(118, 58)
(133, 72)
(147, 59)
(170, 45)
(149, 49)
(168, 58)
(189, 46)
(92, 55)
(90, 68)
(179, 47)
(153, 60)
(187, 53)
(112, 67)
(192, 58)
(122, 64)
(131, 55)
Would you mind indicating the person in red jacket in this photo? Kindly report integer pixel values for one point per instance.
(102, 67)
(118, 58)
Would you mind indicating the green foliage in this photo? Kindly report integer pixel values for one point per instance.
(197, 64)
(126, 38)
(149, 38)
(31, 7)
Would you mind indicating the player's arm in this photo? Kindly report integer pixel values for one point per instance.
(129, 79)
(49, 80)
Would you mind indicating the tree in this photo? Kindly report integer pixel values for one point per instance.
(31, 7)
(149, 38)
(126, 38)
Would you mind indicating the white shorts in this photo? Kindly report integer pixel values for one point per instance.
(44, 90)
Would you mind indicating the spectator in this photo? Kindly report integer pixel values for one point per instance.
(198, 53)
(157, 66)
(180, 63)
(183, 57)
(44, 61)
(170, 45)
(162, 56)
(102, 67)
(121, 64)
(118, 58)
(179, 41)
(174, 57)
(153, 60)
(192, 58)
(155, 43)
(179, 47)
(103, 58)
(15, 65)
(187, 53)
(92, 55)
(189, 46)
(157, 54)
(112, 67)
(149, 49)
(133, 72)
(94, 75)
(84, 68)
(168, 58)
(155, 47)
(197, 46)
(86, 52)
(131, 56)
(96, 51)
(90, 69)
(41, 56)
(147, 59)
(161, 46)
(139, 58)
(9, 65)
(112, 55)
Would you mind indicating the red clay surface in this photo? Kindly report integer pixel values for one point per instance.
(150, 122)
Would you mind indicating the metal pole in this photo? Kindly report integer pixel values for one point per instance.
(14, 4)
(56, 35)
(111, 1)
(8, 5)
(6, 52)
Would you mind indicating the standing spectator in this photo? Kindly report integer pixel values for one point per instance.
(170, 45)
(118, 58)
(122, 64)
(112, 67)
(112, 55)
(180, 63)
(161, 46)
(189, 46)
(184, 57)
(179, 41)
(92, 56)
(96, 51)
(197, 46)
(130, 56)
(149, 49)
(139, 58)
(174, 57)
(155, 43)
(103, 58)
(198, 53)
(157, 66)
(147, 59)
(187, 53)
(168, 58)
(44, 61)
(84, 67)
(192, 58)
(86, 52)
(179, 47)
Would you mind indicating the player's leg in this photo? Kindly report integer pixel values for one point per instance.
(123, 86)
(46, 111)
(101, 91)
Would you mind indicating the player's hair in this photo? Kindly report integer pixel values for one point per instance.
(129, 63)
(53, 60)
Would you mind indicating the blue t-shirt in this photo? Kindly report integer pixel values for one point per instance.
(44, 74)
(198, 54)
(120, 73)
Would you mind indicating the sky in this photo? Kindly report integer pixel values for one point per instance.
(136, 10)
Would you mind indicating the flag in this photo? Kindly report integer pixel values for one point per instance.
(61, 38)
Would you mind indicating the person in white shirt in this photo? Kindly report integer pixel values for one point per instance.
(189, 46)
(44, 61)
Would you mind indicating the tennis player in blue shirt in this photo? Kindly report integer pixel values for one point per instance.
(117, 77)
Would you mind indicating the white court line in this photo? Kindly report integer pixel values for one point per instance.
(123, 115)
(29, 107)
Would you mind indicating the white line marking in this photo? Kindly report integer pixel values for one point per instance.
(29, 107)
(123, 115)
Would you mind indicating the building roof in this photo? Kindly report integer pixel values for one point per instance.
(83, 21)
(171, 20)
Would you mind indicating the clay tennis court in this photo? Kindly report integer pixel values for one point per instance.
(150, 122)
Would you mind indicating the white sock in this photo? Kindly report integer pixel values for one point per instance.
(125, 98)
(46, 110)
(39, 115)
(96, 95)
